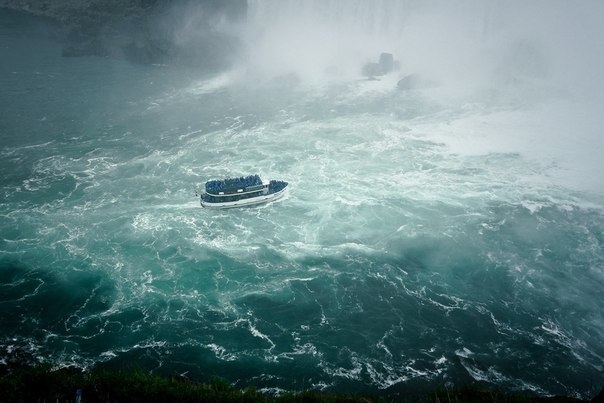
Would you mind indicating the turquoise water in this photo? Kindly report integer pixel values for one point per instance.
(430, 236)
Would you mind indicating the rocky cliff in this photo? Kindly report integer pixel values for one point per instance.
(147, 31)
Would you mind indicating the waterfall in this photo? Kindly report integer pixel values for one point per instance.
(465, 40)
(318, 38)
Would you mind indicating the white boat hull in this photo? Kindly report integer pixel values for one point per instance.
(245, 202)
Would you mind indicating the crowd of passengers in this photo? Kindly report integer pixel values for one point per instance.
(225, 185)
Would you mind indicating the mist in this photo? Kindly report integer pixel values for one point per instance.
(467, 42)
(545, 57)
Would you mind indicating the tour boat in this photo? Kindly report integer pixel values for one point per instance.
(243, 191)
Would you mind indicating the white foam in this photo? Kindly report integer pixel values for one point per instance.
(465, 353)
(221, 353)
(440, 361)
(256, 333)
(384, 379)
(211, 85)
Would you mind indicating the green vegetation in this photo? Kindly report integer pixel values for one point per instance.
(43, 384)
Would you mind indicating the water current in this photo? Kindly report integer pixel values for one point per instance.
(432, 236)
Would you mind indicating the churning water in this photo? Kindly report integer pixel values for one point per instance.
(435, 235)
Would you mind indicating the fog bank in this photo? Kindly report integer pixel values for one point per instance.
(469, 42)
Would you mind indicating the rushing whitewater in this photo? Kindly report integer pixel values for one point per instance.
(437, 235)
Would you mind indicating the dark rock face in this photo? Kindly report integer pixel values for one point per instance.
(145, 31)
(409, 82)
(371, 70)
(385, 65)
(386, 62)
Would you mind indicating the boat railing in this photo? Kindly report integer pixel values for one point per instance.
(237, 192)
